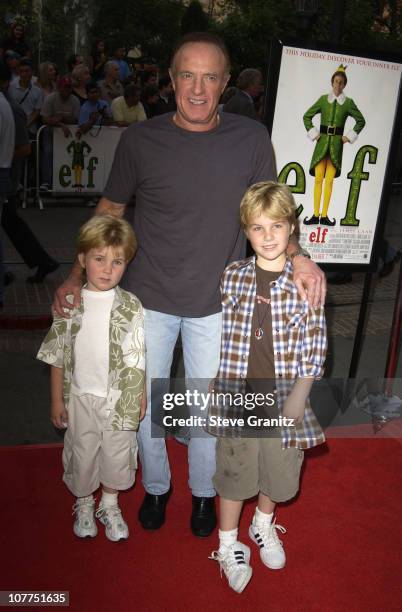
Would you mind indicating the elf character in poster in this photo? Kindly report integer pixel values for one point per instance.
(326, 162)
(78, 148)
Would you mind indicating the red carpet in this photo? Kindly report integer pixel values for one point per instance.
(344, 540)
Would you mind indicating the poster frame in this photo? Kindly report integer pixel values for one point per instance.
(271, 90)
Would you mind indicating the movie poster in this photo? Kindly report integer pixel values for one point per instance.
(82, 164)
(332, 130)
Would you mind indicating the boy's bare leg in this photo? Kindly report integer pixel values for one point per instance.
(229, 514)
(109, 490)
(265, 505)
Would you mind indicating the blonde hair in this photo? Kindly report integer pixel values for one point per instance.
(78, 73)
(107, 231)
(43, 79)
(273, 199)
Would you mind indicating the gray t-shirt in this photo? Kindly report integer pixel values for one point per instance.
(68, 110)
(188, 187)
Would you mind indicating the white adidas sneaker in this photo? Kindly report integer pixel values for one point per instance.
(234, 562)
(271, 548)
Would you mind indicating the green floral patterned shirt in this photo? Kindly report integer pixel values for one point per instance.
(126, 376)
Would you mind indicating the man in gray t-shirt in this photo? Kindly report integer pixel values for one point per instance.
(188, 171)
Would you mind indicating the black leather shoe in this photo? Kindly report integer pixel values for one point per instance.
(203, 516)
(312, 221)
(152, 510)
(327, 221)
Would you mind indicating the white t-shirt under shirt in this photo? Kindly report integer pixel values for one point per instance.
(92, 344)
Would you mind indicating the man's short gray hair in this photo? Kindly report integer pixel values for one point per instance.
(109, 64)
(247, 78)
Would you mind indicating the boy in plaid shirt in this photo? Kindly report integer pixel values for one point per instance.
(271, 340)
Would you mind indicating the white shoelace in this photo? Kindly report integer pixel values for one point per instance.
(268, 534)
(84, 510)
(109, 513)
(235, 558)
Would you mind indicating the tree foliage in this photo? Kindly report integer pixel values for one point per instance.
(194, 18)
(248, 27)
(152, 25)
(155, 25)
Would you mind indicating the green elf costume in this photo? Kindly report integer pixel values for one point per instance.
(78, 149)
(326, 161)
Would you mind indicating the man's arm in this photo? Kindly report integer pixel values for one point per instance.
(72, 285)
(308, 277)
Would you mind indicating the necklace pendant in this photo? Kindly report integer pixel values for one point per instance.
(259, 332)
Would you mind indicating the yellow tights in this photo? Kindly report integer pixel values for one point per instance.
(324, 169)
(78, 174)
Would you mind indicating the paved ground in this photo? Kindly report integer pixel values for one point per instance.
(23, 414)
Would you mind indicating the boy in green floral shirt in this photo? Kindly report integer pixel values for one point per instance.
(97, 359)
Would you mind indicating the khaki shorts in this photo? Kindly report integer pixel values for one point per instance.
(247, 466)
(93, 455)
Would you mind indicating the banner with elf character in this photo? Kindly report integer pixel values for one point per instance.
(81, 164)
(333, 128)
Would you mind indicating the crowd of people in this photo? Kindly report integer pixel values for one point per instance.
(124, 94)
(102, 89)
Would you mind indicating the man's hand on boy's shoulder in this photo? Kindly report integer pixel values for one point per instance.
(310, 281)
(71, 287)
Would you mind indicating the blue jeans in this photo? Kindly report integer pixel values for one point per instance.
(201, 349)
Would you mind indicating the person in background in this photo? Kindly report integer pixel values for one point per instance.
(80, 76)
(225, 97)
(60, 109)
(124, 69)
(148, 77)
(27, 95)
(128, 109)
(16, 41)
(97, 60)
(249, 87)
(12, 59)
(149, 100)
(111, 87)
(73, 61)
(7, 140)
(47, 79)
(166, 102)
(21, 236)
(94, 111)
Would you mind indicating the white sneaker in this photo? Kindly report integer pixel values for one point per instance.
(235, 564)
(115, 526)
(84, 525)
(271, 549)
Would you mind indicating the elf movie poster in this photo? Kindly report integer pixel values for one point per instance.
(332, 130)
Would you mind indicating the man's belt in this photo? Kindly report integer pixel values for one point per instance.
(331, 130)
